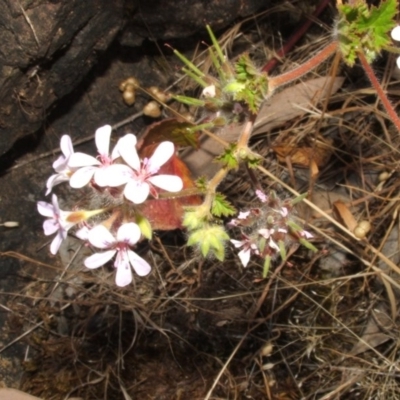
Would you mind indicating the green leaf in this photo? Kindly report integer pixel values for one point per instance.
(190, 101)
(228, 157)
(222, 207)
(267, 265)
(145, 226)
(211, 240)
(365, 29)
(308, 245)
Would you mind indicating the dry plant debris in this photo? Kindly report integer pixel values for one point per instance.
(322, 326)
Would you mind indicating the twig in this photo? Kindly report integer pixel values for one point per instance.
(29, 22)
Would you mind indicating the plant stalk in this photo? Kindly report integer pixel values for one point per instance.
(304, 68)
(379, 90)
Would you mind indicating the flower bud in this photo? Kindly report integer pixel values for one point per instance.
(131, 82)
(158, 94)
(361, 230)
(152, 109)
(129, 97)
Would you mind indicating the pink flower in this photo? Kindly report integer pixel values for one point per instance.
(64, 172)
(90, 167)
(248, 248)
(57, 222)
(141, 176)
(267, 234)
(127, 236)
(261, 195)
(306, 234)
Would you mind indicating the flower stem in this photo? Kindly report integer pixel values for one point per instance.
(379, 90)
(304, 68)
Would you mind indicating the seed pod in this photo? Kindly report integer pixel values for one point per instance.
(158, 94)
(129, 97)
(383, 176)
(152, 109)
(131, 81)
(361, 230)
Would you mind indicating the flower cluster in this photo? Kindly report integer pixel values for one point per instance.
(396, 36)
(267, 231)
(126, 180)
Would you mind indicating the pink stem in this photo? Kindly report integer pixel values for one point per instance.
(307, 66)
(379, 90)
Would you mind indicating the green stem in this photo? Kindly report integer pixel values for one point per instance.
(304, 68)
(379, 90)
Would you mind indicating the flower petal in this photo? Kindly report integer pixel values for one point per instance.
(82, 160)
(141, 266)
(81, 177)
(101, 176)
(237, 243)
(273, 245)
(50, 226)
(127, 149)
(244, 256)
(66, 146)
(101, 237)
(170, 183)
(56, 208)
(56, 243)
(98, 259)
(396, 33)
(60, 164)
(398, 62)
(83, 233)
(102, 139)
(55, 180)
(124, 271)
(161, 155)
(45, 209)
(117, 174)
(129, 233)
(266, 233)
(137, 192)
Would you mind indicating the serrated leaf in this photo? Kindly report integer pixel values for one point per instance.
(228, 157)
(222, 207)
(365, 29)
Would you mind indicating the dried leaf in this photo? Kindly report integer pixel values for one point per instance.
(314, 170)
(179, 133)
(304, 156)
(345, 215)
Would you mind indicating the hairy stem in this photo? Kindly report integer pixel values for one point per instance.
(304, 68)
(379, 90)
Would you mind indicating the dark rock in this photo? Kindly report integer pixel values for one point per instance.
(47, 48)
(170, 19)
